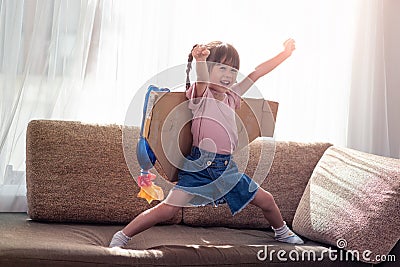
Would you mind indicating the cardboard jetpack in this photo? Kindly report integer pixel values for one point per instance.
(168, 127)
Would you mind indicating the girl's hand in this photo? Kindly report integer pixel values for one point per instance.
(289, 45)
(200, 52)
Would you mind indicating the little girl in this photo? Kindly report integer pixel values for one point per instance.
(209, 175)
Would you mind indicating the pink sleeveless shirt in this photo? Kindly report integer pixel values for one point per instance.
(214, 123)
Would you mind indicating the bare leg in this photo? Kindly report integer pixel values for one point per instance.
(266, 202)
(162, 212)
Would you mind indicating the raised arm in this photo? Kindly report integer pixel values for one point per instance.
(266, 67)
(200, 53)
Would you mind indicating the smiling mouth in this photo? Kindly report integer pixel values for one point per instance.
(225, 83)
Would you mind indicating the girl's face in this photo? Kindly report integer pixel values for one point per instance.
(222, 77)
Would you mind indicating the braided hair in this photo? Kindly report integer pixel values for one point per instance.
(219, 53)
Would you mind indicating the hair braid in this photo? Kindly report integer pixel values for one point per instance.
(189, 67)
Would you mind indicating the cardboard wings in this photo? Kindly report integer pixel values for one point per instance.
(168, 132)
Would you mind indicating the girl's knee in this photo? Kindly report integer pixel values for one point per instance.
(264, 199)
(166, 211)
(268, 197)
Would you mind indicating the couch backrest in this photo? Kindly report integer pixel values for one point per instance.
(78, 173)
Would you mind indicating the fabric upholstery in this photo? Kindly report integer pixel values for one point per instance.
(77, 172)
(352, 200)
(30, 243)
(77, 176)
(286, 179)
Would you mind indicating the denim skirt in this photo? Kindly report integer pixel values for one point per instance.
(213, 178)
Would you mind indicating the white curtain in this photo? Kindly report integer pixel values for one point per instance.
(374, 102)
(85, 59)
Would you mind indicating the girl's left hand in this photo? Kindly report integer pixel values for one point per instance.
(289, 45)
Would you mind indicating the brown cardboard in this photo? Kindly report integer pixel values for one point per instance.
(168, 129)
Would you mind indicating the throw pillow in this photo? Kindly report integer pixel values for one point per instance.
(352, 201)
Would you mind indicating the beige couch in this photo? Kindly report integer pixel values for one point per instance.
(80, 192)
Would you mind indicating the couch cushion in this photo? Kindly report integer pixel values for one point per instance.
(77, 172)
(286, 180)
(28, 243)
(353, 201)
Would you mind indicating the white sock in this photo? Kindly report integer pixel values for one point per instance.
(284, 234)
(119, 239)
